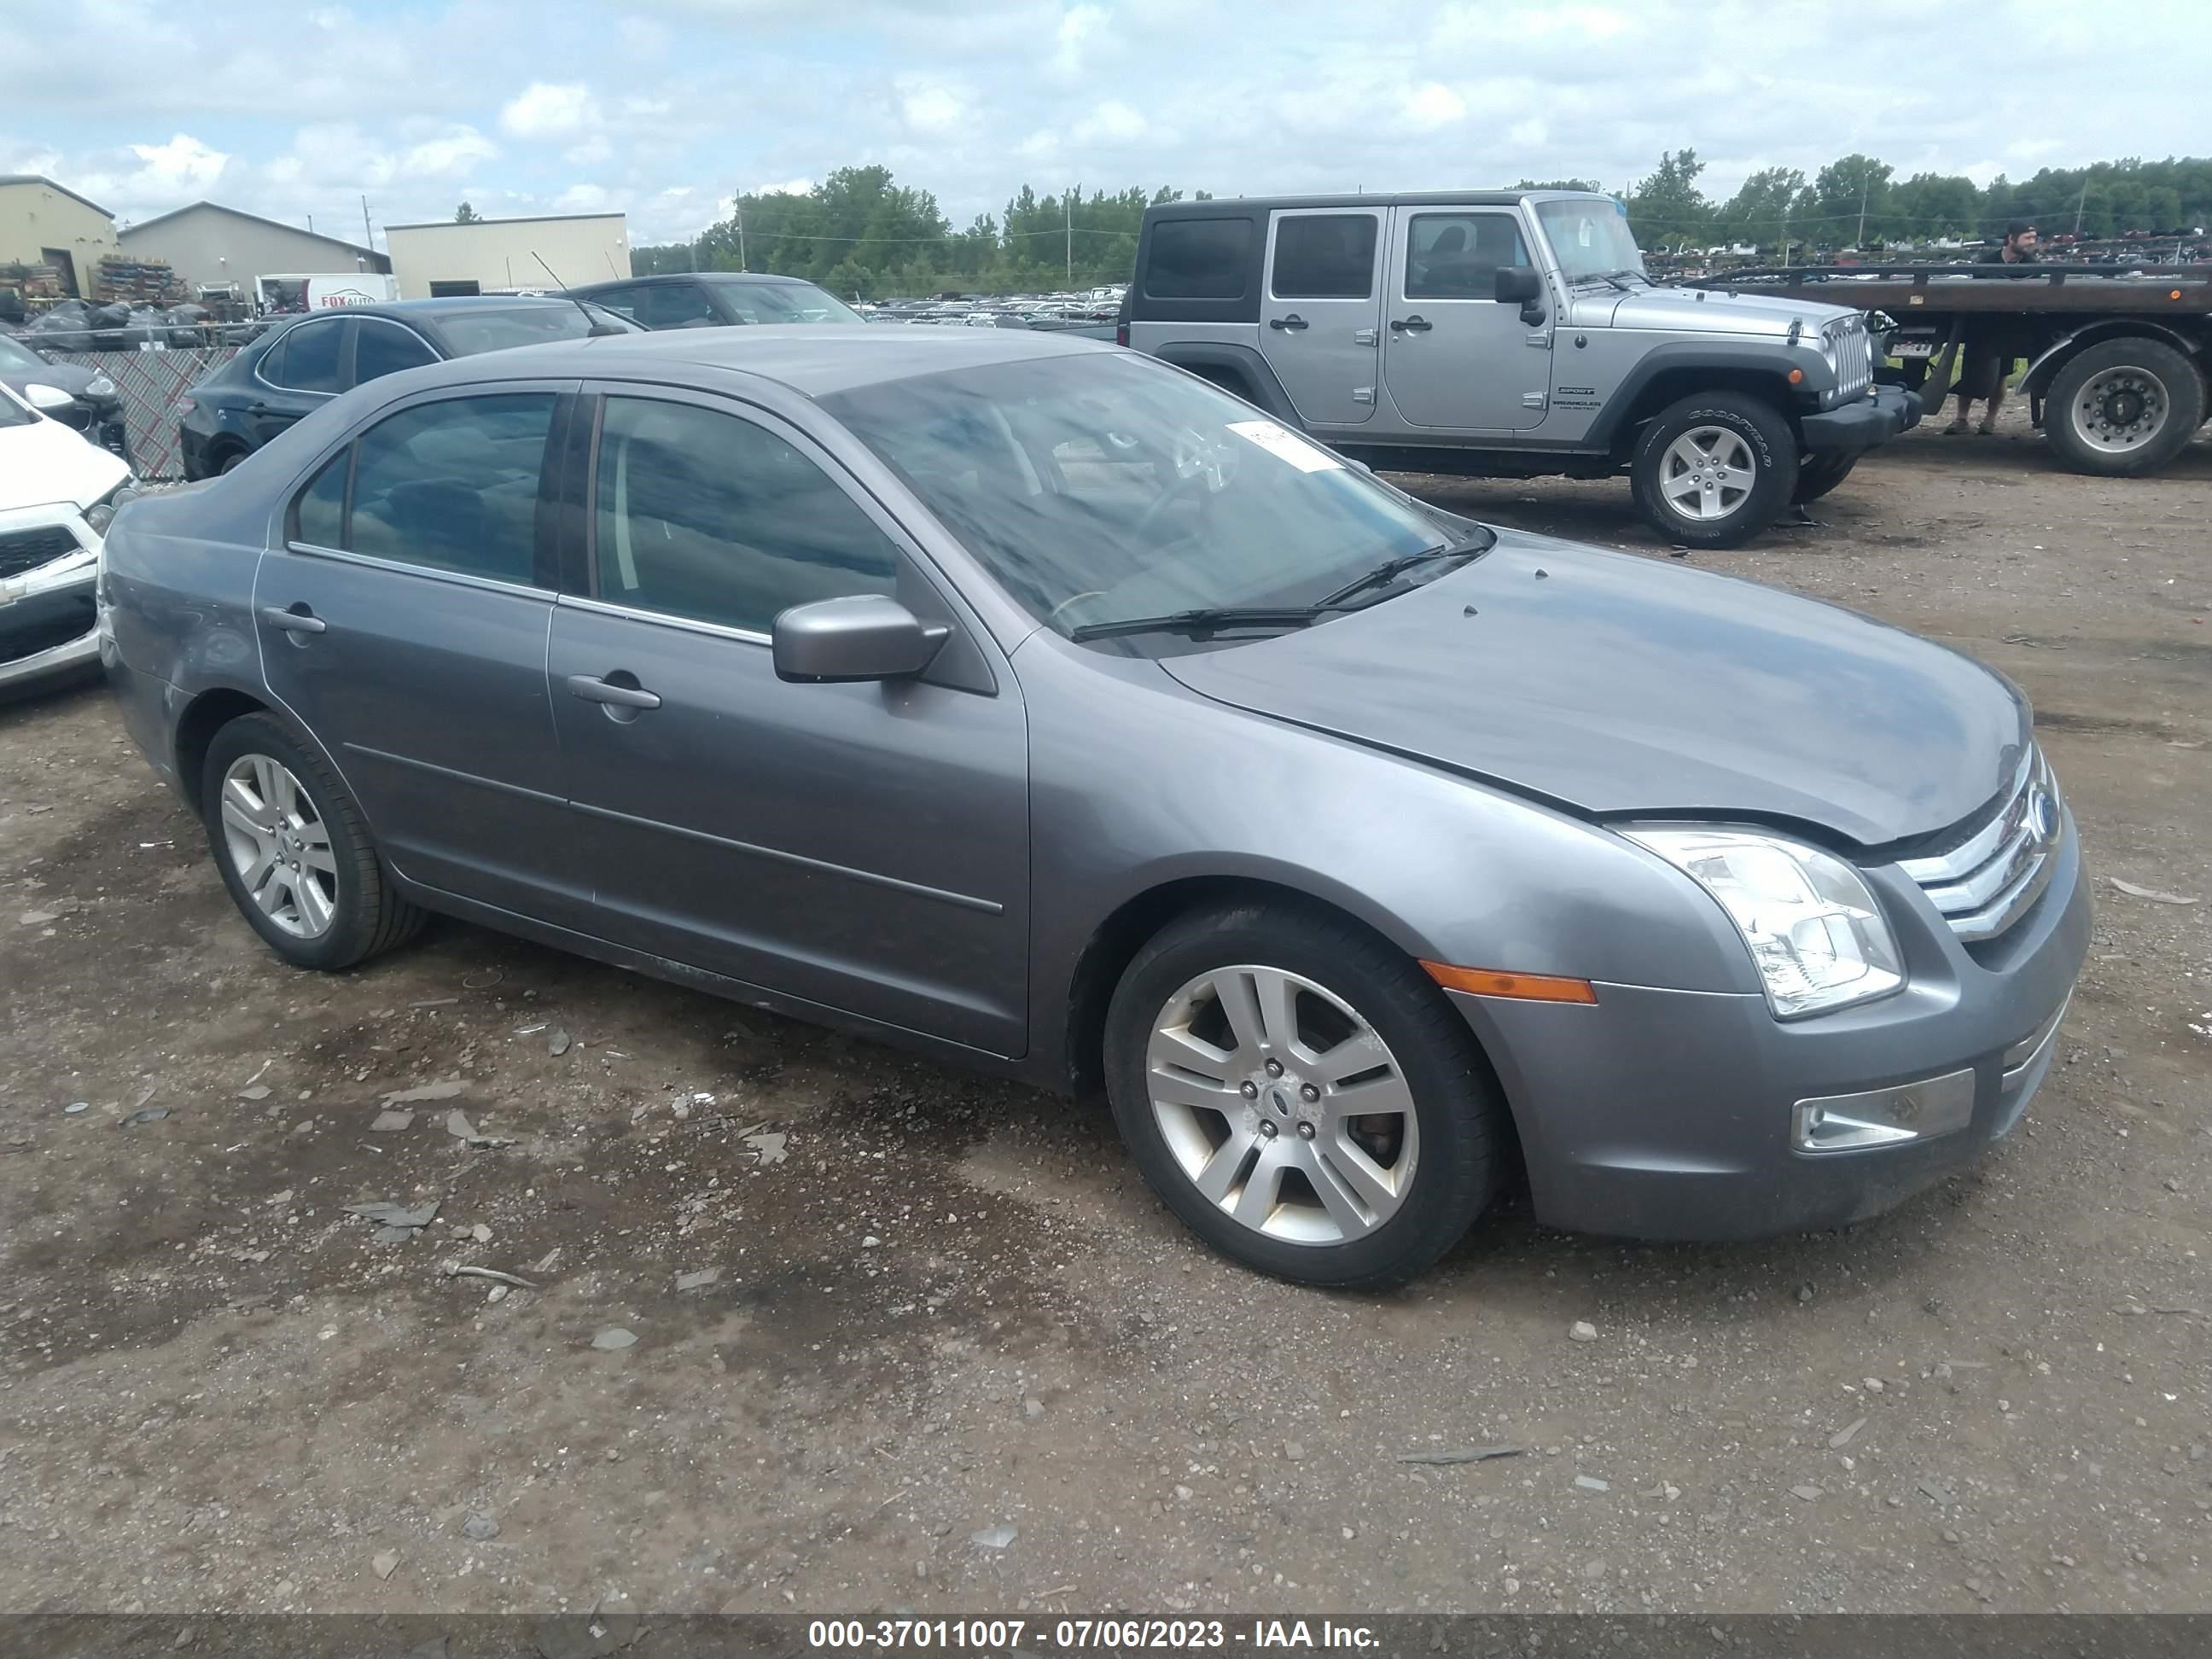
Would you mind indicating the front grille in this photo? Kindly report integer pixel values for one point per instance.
(27, 550)
(1854, 356)
(1984, 884)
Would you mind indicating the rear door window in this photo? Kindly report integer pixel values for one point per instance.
(1199, 259)
(1324, 255)
(309, 360)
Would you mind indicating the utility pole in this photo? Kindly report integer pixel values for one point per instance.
(738, 202)
(1863, 182)
(2078, 206)
(367, 236)
(1067, 207)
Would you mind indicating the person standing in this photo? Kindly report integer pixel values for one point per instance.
(1989, 365)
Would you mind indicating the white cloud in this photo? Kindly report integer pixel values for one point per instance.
(453, 156)
(544, 110)
(586, 198)
(1079, 26)
(788, 187)
(1110, 123)
(1528, 135)
(1433, 105)
(928, 105)
(589, 154)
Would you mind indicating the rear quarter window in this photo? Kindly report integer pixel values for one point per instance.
(1199, 259)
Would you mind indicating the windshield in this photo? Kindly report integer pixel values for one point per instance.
(1097, 487)
(471, 332)
(786, 302)
(18, 359)
(1589, 236)
(13, 410)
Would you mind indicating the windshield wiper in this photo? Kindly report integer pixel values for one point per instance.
(1206, 619)
(1390, 570)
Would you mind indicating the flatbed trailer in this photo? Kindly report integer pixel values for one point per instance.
(2118, 356)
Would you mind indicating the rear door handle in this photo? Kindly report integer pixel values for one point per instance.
(1415, 325)
(301, 621)
(1292, 321)
(591, 688)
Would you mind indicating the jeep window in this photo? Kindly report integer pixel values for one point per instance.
(1456, 256)
(1589, 236)
(1324, 255)
(1101, 487)
(1199, 259)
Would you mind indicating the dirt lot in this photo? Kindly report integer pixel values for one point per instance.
(946, 1306)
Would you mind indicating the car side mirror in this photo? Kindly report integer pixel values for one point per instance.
(48, 398)
(1518, 285)
(865, 636)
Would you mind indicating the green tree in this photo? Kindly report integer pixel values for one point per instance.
(1666, 208)
(1849, 198)
(1929, 205)
(1763, 208)
(465, 215)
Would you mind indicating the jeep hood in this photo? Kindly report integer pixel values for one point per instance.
(1610, 684)
(1697, 311)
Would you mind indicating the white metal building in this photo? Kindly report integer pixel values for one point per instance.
(210, 245)
(486, 255)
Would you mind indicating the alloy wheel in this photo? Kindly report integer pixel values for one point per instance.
(279, 846)
(1707, 471)
(1282, 1105)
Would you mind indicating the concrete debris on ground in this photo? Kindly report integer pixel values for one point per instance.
(612, 1338)
(1581, 1331)
(447, 1089)
(391, 1123)
(995, 1538)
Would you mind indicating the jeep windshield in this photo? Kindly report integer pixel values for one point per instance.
(1590, 238)
(1100, 488)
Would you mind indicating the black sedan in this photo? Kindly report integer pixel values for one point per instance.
(94, 406)
(718, 299)
(293, 370)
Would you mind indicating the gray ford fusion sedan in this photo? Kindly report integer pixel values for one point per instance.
(1041, 706)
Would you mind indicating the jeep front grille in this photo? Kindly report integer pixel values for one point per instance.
(1984, 884)
(1854, 356)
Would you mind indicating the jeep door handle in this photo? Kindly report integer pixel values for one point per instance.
(591, 688)
(301, 621)
(1415, 324)
(1293, 320)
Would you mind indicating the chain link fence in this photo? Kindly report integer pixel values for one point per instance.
(149, 382)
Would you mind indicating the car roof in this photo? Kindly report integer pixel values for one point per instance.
(1214, 207)
(813, 359)
(663, 278)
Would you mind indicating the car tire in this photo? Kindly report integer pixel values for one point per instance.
(293, 849)
(1756, 457)
(2158, 390)
(1247, 1173)
(1818, 474)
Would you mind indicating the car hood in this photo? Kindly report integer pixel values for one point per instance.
(48, 462)
(1698, 311)
(1610, 685)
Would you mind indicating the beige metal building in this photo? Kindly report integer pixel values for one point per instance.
(210, 245)
(560, 250)
(44, 223)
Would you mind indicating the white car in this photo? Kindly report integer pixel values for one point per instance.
(58, 493)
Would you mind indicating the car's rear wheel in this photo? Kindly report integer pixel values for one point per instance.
(294, 850)
(1301, 1094)
(1714, 469)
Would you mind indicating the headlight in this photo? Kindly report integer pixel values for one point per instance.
(102, 513)
(1816, 931)
(100, 386)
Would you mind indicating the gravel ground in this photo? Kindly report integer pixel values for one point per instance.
(952, 1357)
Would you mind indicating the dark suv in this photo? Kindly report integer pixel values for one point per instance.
(1513, 334)
(293, 370)
(718, 299)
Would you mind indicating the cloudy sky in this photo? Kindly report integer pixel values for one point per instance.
(663, 107)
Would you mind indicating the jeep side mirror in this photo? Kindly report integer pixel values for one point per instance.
(1518, 285)
(865, 636)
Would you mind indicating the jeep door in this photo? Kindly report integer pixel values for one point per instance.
(1322, 307)
(1453, 357)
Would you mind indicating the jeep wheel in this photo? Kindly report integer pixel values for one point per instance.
(2123, 407)
(1818, 474)
(1714, 469)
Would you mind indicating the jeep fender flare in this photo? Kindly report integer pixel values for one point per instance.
(1732, 360)
(1214, 360)
(2045, 369)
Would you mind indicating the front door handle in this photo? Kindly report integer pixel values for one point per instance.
(1293, 320)
(1413, 324)
(591, 688)
(299, 620)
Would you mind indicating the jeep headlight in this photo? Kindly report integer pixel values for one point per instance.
(1814, 929)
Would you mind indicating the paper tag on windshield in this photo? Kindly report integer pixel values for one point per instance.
(1285, 445)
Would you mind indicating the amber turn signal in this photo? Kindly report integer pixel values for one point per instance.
(1525, 987)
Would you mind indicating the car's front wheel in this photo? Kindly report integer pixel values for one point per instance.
(294, 850)
(1714, 469)
(1301, 1094)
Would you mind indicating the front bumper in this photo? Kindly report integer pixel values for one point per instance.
(1861, 425)
(1670, 1114)
(48, 631)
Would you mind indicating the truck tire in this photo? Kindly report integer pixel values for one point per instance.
(1714, 469)
(1818, 474)
(2123, 407)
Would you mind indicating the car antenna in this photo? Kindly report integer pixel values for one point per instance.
(599, 331)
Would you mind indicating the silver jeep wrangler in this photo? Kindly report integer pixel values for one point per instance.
(1513, 334)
